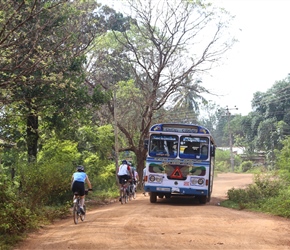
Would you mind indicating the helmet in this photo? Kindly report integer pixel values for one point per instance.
(124, 162)
(80, 168)
(129, 163)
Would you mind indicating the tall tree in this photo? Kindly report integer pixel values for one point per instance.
(187, 98)
(163, 48)
(41, 68)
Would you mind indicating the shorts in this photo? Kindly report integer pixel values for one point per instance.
(123, 178)
(79, 187)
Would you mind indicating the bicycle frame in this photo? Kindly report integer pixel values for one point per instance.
(132, 191)
(124, 195)
(76, 209)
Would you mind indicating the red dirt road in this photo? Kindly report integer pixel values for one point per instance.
(168, 224)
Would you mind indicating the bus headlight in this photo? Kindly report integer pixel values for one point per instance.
(155, 178)
(196, 181)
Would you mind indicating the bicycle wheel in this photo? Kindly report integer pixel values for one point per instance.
(130, 196)
(76, 213)
(126, 198)
(134, 194)
(122, 198)
(83, 215)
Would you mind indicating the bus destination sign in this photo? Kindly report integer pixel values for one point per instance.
(180, 130)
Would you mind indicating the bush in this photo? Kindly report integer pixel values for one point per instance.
(47, 182)
(15, 216)
(278, 205)
(246, 166)
(265, 187)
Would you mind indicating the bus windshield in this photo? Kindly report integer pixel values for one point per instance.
(163, 146)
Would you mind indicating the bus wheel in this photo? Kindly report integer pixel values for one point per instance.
(202, 199)
(153, 197)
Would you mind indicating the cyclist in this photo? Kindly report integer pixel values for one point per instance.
(124, 173)
(135, 177)
(78, 184)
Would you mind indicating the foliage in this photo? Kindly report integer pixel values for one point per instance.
(283, 156)
(188, 100)
(16, 218)
(223, 160)
(52, 173)
(269, 193)
(160, 59)
(246, 166)
(41, 191)
(45, 80)
(278, 205)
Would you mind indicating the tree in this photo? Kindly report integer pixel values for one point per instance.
(186, 98)
(163, 49)
(269, 123)
(41, 70)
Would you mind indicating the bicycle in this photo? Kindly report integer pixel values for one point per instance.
(77, 208)
(132, 190)
(124, 192)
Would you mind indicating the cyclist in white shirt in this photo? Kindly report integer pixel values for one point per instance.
(124, 173)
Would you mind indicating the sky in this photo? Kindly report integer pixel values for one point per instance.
(259, 58)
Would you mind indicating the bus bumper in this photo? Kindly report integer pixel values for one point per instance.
(191, 191)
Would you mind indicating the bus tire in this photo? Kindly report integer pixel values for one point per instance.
(202, 199)
(153, 197)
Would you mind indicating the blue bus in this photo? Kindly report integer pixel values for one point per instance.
(180, 162)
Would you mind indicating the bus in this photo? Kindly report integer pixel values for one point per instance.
(179, 162)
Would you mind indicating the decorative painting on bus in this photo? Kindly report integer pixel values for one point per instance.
(177, 171)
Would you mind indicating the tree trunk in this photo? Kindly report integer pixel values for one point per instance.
(141, 158)
(32, 136)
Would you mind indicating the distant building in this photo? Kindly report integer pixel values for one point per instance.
(259, 158)
(236, 150)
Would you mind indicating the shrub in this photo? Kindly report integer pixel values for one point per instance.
(269, 193)
(246, 166)
(15, 216)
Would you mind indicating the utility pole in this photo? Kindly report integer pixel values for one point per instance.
(228, 114)
(116, 132)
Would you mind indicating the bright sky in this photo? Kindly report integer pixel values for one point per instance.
(261, 56)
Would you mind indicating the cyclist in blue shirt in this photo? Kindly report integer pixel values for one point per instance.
(78, 184)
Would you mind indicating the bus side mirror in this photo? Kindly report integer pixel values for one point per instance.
(212, 150)
(146, 142)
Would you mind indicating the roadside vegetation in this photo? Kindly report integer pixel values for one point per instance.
(270, 190)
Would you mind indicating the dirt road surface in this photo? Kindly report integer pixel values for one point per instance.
(168, 224)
